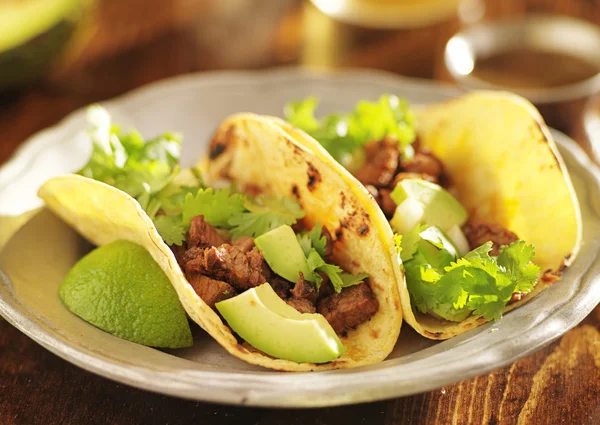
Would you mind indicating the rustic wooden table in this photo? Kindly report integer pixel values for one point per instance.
(136, 42)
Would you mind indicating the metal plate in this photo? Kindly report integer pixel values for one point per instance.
(42, 248)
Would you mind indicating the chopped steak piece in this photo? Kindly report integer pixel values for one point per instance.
(179, 252)
(348, 309)
(192, 254)
(478, 233)
(381, 163)
(302, 305)
(304, 289)
(329, 243)
(210, 290)
(229, 264)
(386, 203)
(404, 175)
(280, 286)
(244, 244)
(424, 163)
(326, 288)
(202, 234)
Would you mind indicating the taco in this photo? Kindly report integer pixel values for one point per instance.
(291, 254)
(476, 191)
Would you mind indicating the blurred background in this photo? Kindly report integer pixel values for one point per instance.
(58, 55)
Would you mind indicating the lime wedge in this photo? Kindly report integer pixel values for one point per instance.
(120, 289)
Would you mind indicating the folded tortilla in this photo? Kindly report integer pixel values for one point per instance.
(504, 162)
(256, 154)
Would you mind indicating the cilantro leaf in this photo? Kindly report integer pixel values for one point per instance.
(316, 263)
(349, 279)
(477, 283)
(124, 160)
(170, 228)
(263, 215)
(516, 259)
(409, 243)
(342, 134)
(301, 113)
(313, 239)
(305, 242)
(217, 206)
(338, 278)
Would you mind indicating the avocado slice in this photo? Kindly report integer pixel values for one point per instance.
(283, 253)
(267, 323)
(423, 202)
(439, 239)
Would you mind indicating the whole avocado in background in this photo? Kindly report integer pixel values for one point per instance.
(33, 34)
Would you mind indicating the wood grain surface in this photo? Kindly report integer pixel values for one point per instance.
(133, 43)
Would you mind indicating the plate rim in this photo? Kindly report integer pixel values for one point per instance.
(376, 384)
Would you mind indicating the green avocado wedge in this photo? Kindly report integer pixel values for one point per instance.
(120, 289)
(283, 253)
(267, 323)
(423, 202)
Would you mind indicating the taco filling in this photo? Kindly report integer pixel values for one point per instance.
(456, 265)
(219, 267)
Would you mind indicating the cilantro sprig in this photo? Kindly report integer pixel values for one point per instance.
(477, 283)
(124, 160)
(343, 134)
(146, 170)
(313, 244)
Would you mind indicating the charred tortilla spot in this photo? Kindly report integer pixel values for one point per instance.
(295, 192)
(313, 177)
(374, 333)
(434, 335)
(363, 230)
(220, 141)
(397, 304)
(297, 150)
(338, 233)
(343, 202)
(252, 303)
(216, 149)
(241, 348)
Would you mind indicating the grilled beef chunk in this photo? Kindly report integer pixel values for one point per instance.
(302, 305)
(326, 288)
(381, 162)
(387, 205)
(244, 244)
(304, 289)
(349, 308)
(478, 233)
(280, 286)
(202, 234)
(228, 263)
(210, 290)
(179, 252)
(424, 163)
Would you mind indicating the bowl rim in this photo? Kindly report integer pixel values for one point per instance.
(563, 93)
